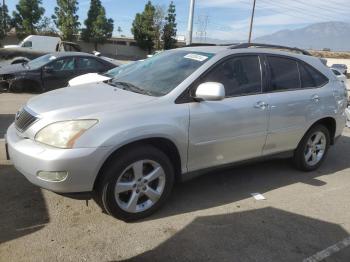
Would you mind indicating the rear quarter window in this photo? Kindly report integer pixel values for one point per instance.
(310, 77)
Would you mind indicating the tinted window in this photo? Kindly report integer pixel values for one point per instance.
(89, 63)
(306, 78)
(63, 64)
(310, 77)
(284, 73)
(239, 75)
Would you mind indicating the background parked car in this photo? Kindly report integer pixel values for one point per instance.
(339, 74)
(341, 67)
(97, 78)
(50, 71)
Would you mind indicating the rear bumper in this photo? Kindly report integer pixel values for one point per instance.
(30, 157)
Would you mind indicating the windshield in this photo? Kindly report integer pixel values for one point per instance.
(160, 74)
(40, 61)
(117, 70)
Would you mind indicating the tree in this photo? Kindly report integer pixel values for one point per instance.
(143, 28)
(47, 27)
(169, 30)
(66, 19)
(159, 16)
(5, 21)
(97, 27)
(27, 17)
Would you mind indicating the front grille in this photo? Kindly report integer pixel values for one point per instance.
(24, 119)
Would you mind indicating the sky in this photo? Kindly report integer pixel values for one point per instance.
(223, 19)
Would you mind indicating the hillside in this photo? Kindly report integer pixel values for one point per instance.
(333, 35)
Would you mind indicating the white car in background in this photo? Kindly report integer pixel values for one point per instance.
(96, 77)
(339, 74)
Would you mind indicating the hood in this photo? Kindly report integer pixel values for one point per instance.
(86, 100)
(87, 79)
(12, 69)
(12, 46)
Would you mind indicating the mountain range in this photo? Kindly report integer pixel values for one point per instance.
(332, 35)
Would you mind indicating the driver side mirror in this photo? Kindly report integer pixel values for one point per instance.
(48, 69)
(210, 91)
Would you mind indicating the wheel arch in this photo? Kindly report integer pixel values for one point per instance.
(21, 81)
(19, 59)
(166, 145)
(330, 123)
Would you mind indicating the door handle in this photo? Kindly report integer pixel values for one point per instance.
(261, 105)
(315, 98)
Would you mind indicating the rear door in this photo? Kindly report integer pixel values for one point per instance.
(296, 99)
(234, 128)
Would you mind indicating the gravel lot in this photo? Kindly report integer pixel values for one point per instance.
(211, 218)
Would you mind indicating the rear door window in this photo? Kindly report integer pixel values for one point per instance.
(284, 73)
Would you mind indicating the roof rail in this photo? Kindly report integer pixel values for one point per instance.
(246, 45)
(210, 44)
(200, 44)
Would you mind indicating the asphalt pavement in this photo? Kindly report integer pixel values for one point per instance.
(305, 217)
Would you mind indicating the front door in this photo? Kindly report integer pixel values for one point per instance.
(57, 73)
(235, 128)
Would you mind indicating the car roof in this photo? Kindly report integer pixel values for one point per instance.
(226, 50)
(67, 54)
(205, 49)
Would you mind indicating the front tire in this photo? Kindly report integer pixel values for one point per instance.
(136, 183)
(312, 149)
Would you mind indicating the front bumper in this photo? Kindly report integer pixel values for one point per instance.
(82, 164)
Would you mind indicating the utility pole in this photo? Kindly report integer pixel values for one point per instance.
(3, 17)
(190, 24)
(251, 23)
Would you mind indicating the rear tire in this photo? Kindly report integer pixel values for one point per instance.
(312, 149)
(136, 183)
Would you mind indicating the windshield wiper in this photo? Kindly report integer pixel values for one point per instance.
(130, 87)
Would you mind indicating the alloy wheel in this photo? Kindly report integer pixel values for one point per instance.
(315, 148)
(140, 186)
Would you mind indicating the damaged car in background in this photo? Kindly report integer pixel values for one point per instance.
(50, 71)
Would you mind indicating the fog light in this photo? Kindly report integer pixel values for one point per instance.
(52, 176)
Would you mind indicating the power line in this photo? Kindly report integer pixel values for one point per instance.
(298, 12)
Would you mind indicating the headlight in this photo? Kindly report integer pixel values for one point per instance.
(64, 134)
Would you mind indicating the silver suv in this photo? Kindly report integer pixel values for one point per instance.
(170, 117)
